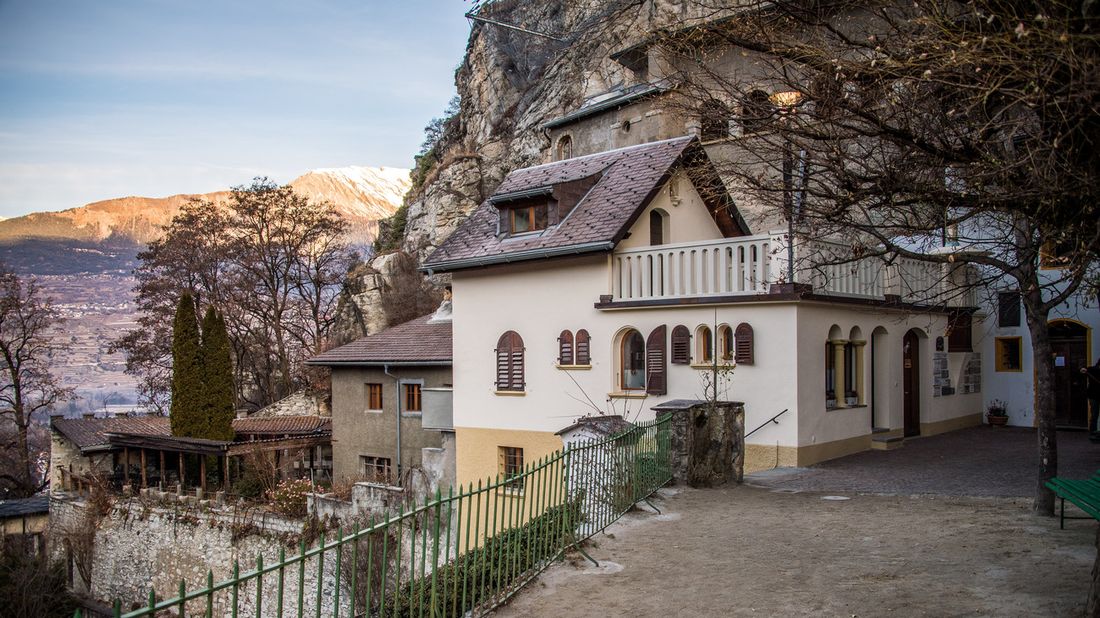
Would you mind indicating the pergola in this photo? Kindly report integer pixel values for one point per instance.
(173, 448)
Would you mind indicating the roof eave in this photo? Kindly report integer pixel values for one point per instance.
(518, 256)
(379, 363)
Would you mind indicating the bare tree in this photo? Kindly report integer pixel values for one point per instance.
(958, 135)
(27, 389)
(271, 261)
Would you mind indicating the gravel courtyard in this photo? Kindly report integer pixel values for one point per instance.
(791, 548)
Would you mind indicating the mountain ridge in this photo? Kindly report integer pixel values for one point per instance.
(361, 195)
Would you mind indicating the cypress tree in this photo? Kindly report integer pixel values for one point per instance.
(219, 394)
(186, 414)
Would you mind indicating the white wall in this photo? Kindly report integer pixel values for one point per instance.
(1017, 388)
(539, 301)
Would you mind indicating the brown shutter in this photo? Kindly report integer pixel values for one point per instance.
(959, 333)
(584, 348)
(681, 345)
(656, 379)
(565, 348)
(510, 362)
(743, 337)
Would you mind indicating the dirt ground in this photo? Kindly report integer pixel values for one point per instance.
(751, 551)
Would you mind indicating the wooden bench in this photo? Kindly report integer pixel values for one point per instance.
(1083, 493)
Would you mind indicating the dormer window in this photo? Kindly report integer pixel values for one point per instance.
(527, 218)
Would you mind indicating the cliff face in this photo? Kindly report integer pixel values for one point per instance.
(510, 84)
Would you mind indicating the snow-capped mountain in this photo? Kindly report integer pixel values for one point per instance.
(362, 195)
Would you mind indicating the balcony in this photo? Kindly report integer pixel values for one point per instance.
(753, 265)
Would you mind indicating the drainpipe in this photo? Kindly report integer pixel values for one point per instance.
(397, 400)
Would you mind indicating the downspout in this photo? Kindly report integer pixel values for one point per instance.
(397, 400)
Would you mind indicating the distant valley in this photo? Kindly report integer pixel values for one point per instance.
(84, 257)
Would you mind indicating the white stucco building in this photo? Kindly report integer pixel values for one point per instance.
(610, 283)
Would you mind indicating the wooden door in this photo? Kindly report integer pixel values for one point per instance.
(910, 371)
(1069, 345)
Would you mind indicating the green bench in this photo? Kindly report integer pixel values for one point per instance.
(1084, 493)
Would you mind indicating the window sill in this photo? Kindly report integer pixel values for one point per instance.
(510, 393)
(1008, 370)
(705, 366)
(573, 367)
(628, 395)
(412, 414)
(372, 411)
(510, 492)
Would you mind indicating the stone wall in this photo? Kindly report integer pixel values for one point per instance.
(139, 545)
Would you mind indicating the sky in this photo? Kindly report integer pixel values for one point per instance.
(109, 98)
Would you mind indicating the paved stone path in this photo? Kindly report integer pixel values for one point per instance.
(980, 461)
(824, 541)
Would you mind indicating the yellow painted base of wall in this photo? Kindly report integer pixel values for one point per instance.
(476, 456)
(951, 424)
(765, 457)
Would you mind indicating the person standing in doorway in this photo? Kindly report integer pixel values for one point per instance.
(1092, 393)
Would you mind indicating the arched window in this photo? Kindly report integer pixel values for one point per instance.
(510, 362)
(565, 148)
(756, 111)
(725, 343)
(704, 345)
(744, 348)
(632, 361)
(658, 227)
(584, 348)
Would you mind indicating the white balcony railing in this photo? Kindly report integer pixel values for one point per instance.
(710, 268)
(752, 264)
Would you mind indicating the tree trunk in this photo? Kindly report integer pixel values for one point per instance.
(1044, 407)
(1092, 609)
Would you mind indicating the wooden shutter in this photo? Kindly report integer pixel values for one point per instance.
(510, 362)
(959, 333)
(656, 379)
(743, 337)
(584, 348)
(565, 348)
(681, 345)
(1008, 309)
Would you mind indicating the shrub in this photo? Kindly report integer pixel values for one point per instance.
(289, 497)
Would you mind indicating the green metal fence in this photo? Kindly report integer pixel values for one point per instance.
(461, 553)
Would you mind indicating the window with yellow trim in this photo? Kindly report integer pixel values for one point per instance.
(1008, 354)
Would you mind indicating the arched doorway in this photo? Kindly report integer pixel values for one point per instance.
(1069, 345)
(910, 371)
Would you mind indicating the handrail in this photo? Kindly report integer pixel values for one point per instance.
(770, 420)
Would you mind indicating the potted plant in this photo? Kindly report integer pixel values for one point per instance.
(997, 413)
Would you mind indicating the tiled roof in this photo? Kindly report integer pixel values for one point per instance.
(630, 177)
(418, 341)
(623, 97)
(282, 425)
(25, 506)
(91, 433)
(88, 433)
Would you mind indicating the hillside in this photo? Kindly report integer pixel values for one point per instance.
(362, 195)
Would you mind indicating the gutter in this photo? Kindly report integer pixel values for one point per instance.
(518, 256)
(380, 363)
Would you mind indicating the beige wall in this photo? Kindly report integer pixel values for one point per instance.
(358, 431)
(689, 220)
(64, 454)
(25, 524)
